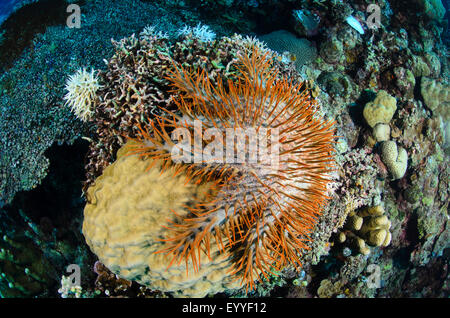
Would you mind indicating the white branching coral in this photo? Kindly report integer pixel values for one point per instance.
(81, 88)
(201, 32)
(150, 31)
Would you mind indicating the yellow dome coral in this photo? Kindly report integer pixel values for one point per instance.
(130, 207)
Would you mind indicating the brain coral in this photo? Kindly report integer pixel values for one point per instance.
(128, 215)
(302, 50)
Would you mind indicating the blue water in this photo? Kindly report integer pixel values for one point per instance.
(8, 6)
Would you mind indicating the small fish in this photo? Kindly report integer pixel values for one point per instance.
(351, 20)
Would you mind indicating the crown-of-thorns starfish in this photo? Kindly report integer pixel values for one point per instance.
(261, 214)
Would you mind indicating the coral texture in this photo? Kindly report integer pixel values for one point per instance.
(381, 132)
(137, 88)
(332, 50)
(436, 96)
(260, 212)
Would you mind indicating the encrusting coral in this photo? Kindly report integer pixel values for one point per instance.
(258, 214)
(332, 50)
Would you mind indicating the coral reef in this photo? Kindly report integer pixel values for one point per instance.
(32, 112)
(245, 224)
(396, 58)
(134, 88)
(385, 84)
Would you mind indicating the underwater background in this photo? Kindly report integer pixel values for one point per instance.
(379, 69)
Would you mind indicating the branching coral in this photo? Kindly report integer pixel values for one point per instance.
(261, 212)
(358, 177)
(200, 32)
